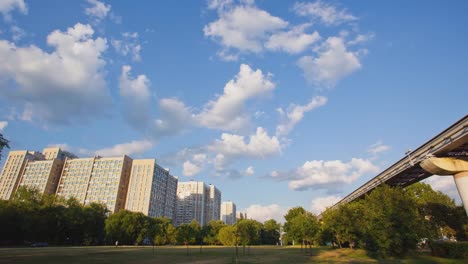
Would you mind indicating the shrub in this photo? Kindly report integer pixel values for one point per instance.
(450, 249)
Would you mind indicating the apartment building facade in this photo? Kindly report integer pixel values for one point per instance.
(152, 189)
(197, 201)
(228, 213)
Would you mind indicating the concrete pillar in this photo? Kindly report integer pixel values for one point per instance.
(461, 180)
(451, 166)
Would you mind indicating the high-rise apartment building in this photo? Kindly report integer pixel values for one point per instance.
(109, 182)
(13, 170)
(196, 200)
(213, 205)
(75, 177)
(101, 180)
(151, 190)
(228, 213)
(42, 175)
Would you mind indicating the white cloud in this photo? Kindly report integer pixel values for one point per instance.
(199, 158)
(333, 63)
(324, 12)
(293, 41)
(445, 184)
(137, 88)
(249, 171)
(131, 148)
(361, 38)
(243, 27)
(319, 174)
(7, 6)
(227, 111)
(63, 146)
(128, 45)
(98, 10)
(3, 125)
(219, 4)
(17, 33)
(136, 97)
(190, 169)
(174, 117)
(377, 148)
(295, 114)
(260, 145)
(60, 86)
(263, 213)
(319, 205)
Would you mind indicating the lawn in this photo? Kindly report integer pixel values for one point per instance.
(258, 254)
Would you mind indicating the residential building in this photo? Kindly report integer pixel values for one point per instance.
(228, 213)
(42, 175)
(213, 205)
(152, 190)
(191, 200)
(13, 170)
(196, 200)
(75, 178)
(101, 180)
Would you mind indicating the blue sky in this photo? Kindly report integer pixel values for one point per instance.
(278, 103)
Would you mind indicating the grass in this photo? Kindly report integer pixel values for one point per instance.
(209, 255)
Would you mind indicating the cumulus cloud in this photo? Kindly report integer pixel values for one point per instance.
(260, 145)
(325, 13)
(3, 125)
(295, 113)
(136, 97)
(17, 33)
(128, 45)
(98, 10)
(60, 86)
(243, 27)
(320, 174)
(190, 169)
(332, 63)
(263, 213)
(377, 148)
(249, 171)
(174, 117)
(445, 184)
(227, 111)
(131, 148)
(293, 41)
(319, 205)
(7, 6)
(361, 38)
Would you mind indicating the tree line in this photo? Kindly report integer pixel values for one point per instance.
(32, 217)
(387, 222)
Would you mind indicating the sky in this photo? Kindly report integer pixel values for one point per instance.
(277, 103)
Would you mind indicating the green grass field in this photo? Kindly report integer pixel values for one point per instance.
(257, 254)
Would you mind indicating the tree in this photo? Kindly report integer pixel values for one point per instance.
(210, 232)
(389, 222)
(228, 235)
(166, 231)
(342, 224)
(301, 226)
(292, 233)
(271, 232)
(437, 212)
(3, 143)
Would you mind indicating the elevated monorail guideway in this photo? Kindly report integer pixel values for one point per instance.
(445, 154)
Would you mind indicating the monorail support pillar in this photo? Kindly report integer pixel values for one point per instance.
(457, 167)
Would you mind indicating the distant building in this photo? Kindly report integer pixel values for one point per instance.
(42, 175)
(213, 205)
(101, 180)
(196, 200)
(152, 190)
(228, 213)
(13, 170)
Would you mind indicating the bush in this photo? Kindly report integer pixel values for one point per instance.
(450, 249)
